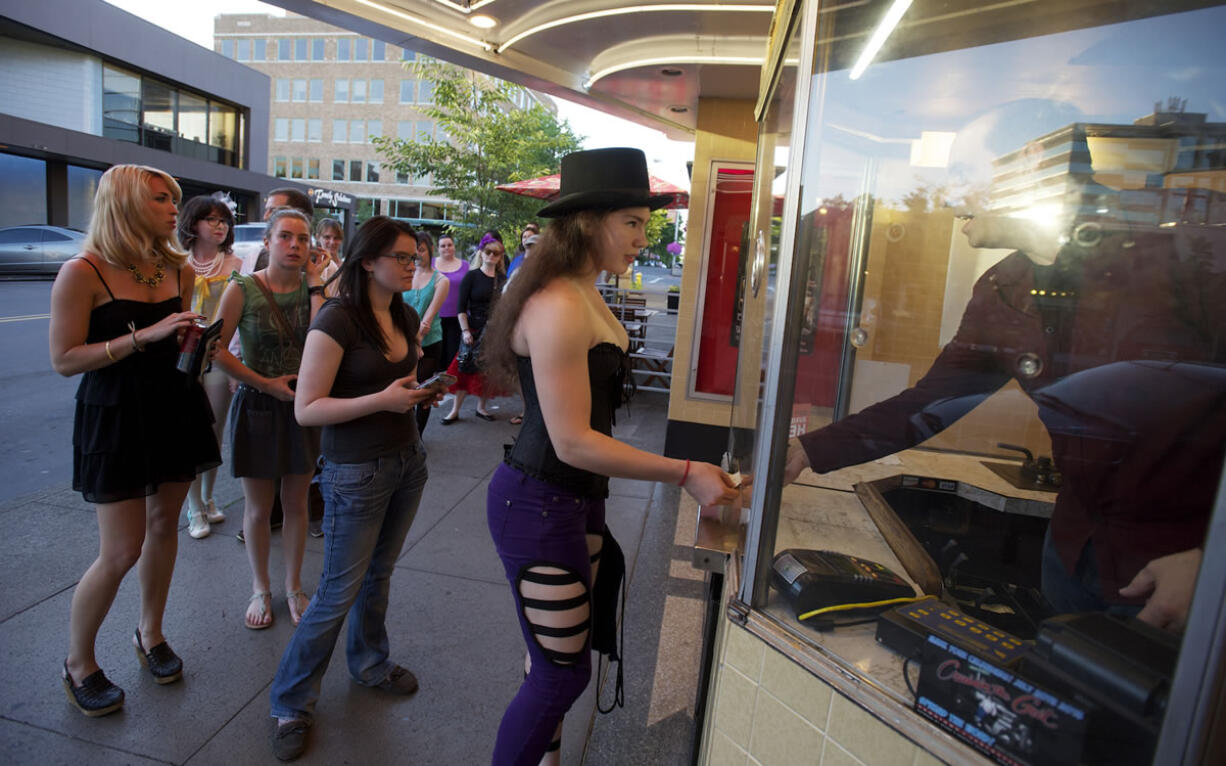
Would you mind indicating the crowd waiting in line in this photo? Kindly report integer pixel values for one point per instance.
(338, 354)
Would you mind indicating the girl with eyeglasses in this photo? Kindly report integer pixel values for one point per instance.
(271, 310)
(206, 231)
(358, 383)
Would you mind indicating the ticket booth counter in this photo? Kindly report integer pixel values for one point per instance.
(984, 308)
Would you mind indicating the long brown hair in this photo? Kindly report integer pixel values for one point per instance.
(564, 249)
(374, 237)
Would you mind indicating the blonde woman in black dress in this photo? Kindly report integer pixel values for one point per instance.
(142, 428)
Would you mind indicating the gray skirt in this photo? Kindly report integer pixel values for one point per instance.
(266, 441)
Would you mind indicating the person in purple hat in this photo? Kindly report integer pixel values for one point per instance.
(553, 334)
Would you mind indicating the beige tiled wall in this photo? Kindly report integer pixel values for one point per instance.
(768, 711)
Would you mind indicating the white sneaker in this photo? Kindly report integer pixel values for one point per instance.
(197, 525)
(213, 515)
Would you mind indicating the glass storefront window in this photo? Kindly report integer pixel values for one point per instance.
(1001, 292)
(82, 186)
(23, 195)
(193, 118)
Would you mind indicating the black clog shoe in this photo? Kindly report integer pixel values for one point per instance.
(96, 696)
(163, 663)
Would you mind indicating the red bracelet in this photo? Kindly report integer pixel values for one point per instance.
(685, 475)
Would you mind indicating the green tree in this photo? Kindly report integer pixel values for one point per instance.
(482, 141)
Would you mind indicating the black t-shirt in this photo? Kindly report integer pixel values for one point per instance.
(364, 370)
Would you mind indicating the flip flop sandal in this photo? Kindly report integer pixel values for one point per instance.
(265, 611)
(297, 608)
(517, 420)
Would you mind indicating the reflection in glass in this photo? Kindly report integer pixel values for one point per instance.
(1024, 242)
(120, 104)
(82, 185)
(23, 196)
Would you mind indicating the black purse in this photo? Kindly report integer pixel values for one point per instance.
(608, 625)
(466, 357)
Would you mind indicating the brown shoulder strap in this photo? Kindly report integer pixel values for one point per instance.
(279, 319)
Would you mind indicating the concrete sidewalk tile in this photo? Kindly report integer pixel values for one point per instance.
(23, 744)
(459, 544)
(454, 716)
(48, 548)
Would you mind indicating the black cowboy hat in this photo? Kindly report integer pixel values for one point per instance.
(604, 179)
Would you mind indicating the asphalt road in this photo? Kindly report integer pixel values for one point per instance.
(36, 404)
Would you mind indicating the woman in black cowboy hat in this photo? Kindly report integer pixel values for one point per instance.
(554, 334)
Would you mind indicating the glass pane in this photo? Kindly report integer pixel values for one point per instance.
(1014, 262)
(313, 168)
(23, 195)
(357, 131)
(317, 49)
(315, 130)
(406, 91)
(283, 49)
(193, 118)
(297, 171)
(261, 50)
(317, 90)
(244, 50)
(372, 172)
(280, 130)
(278, 167)
(404, 130)
(227, 48)
(283, 89)
(300, 49)
(425, 92)
(425, 130)
(120, 105)
(374, 127)
(378, 50)
(357, 91)
(82, 186)
(299, 130)
(340, 130)
(343, 48)
(355, 170)
(340, 92)
(376, 91)
(223, 129)
(361, 49)
(338, 170)
(300, 90)
(158, 109)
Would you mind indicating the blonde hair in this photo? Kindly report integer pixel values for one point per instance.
(120, 231)
(501, 269)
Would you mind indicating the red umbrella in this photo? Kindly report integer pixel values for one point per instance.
(547, 188)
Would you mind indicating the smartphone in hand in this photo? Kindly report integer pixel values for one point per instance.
(440, 380)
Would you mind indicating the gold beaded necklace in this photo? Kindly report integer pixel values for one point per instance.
(153, 281)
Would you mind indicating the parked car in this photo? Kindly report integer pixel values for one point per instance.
(248, 239)
(37, 249)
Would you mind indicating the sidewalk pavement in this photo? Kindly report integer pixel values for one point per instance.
(451, 621)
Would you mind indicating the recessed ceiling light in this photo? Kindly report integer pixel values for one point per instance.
(482, 21)
(678, 109)
(671, 72)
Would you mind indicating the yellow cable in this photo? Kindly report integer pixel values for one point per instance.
(865, 605)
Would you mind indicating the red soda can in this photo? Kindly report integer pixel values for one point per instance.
(187, 345)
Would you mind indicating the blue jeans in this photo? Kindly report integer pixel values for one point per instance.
(368, 508)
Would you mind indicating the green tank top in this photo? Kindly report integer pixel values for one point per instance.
(266, 350)
(420, 301)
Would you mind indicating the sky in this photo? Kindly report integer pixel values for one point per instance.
(666, 159)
